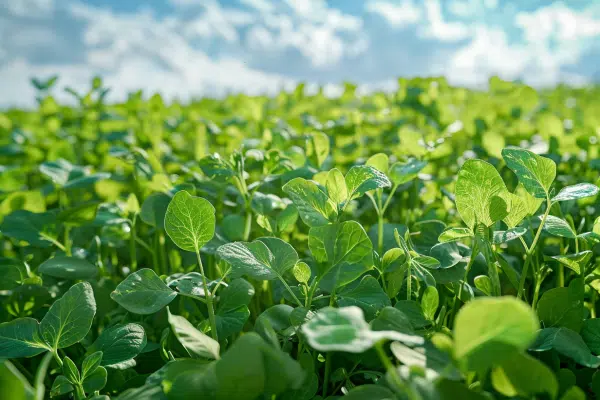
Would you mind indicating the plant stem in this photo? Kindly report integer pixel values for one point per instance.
(536, 293)
(532, 249)
(53, 241)
(289, 289)
(209, 300)
(67, 240)
(408, 283)
(327, 373)
(40, 375)
(561, 275)
(593, 303)
(132, 250)
(247, 224)
(393, 372)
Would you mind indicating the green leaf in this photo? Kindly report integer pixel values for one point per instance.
(343, 250)
(518, 211)
(575, 262)
(191, 283)
(489, 330)
(484, 283)
(90, 363)
(434, 361)
(536, 173)
(591, 334)
(33, 228)
(430, 302)
(143, 292)
(574, 393)
(69, 319)
(68, 268)
(413, 311)
(566, 342)
(195, 342)
(481, 196)
(70, 371)
(20, 338)
(575, 192)
(379, 161)
(558, 227)
(336, 186)
(368, 295)
(402, 172)
(392, 319)
(363, 178)
(345, 329)
(12, 273)
(119, 343)
(60, 386)
(233, 311)
(302, 272)
(454, 234)
(506, 236)
(371, 392)
(314, 206)
(524, 376)
(190, 221)
(563, 307)
(265, 258)
(154, 209)
(318, 147)
(251, 368)
(95, 381)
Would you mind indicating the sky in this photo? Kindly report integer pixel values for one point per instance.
(191, 48)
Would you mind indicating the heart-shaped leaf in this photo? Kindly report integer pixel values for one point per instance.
(190, 221)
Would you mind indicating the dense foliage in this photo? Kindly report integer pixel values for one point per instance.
(432, 243)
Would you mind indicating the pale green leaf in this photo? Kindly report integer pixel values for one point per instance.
(536, 173)
(190, 221)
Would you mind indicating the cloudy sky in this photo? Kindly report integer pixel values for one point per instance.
(185, 48)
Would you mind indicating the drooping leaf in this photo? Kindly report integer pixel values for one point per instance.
(506, 236)
(195, 342)
(558, 227)
(536, 173)
(314, 206)
(143, 292)
(575, 262)
(266, 258)
(68, 268)
(566, 342)
(119, 343)
(345, 329)
(525, 376)
(402, 172)
(489, 330)
(69, 319)
(454, 234)
(20, 338)
(190, 221)
(575, 192)
(363, 178)
(481, 196)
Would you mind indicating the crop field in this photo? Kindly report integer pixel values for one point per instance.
(433, 243)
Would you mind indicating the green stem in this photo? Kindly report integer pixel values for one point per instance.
(529, 253)
(132, 250)
(220, 281)
(57, 357)
(536, 293)
(561, 275)
(593, 303)
(191, 296)
(408, 283)
(380, 234)
(393, 373)
(162, 253)
(247, 224)
(79, 393)
(327, 373)
(67, 240)
(53, 241)
(289, 289)
(40, 375)
(388, 200)
(209, 300)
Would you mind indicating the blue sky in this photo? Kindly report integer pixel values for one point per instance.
(185, 48)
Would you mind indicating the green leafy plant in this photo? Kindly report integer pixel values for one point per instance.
(430, 243)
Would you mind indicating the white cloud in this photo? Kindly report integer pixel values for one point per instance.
(28, 8)
(440, 29)
(134, 51)
(559, 22)
(260, 5)
(398, 15)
